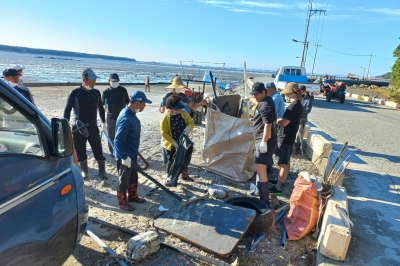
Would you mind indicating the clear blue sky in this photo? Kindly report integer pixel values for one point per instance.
(259, 32)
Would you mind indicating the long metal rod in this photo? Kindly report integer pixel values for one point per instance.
(214, 90)
(106, 248)
(169, 192)
(174, 195)
(168, 246)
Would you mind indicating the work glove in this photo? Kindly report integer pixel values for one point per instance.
(186, 131)
(127, 162)
(263, 147)
(176, 145)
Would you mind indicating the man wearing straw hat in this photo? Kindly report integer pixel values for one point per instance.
(289, 125)
(176, 86)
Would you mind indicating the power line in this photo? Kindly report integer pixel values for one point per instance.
(331, 50)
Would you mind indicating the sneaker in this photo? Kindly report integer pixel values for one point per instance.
(275, 191)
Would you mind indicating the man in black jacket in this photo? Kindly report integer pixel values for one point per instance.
(115, 98)
(85, 101)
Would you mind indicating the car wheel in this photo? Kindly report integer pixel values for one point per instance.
(265, 217)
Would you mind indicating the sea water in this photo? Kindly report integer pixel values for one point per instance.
(50, 68)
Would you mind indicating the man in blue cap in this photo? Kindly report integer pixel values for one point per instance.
(126, 149)
(85, 101)
(115, 98)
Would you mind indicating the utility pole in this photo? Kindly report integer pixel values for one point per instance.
(370, 59)
(310, 13)
(364, 71)
(315, 57)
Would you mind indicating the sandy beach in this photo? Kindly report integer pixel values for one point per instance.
(102, 199)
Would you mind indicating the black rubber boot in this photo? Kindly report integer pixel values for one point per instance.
(84, 169)
(264, 192)
(102, 169)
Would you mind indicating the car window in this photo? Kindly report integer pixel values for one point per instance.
(18, 133)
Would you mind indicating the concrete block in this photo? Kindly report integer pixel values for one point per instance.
(306, 131)
(316, 145)
(381, 101)
(367, 98)
(392, 104)
(354, 96)
(348, 94)
(335, 236)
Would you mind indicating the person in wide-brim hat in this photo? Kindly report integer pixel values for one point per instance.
(176, 84)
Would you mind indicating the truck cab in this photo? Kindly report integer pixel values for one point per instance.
(286, 74)
(43, 210)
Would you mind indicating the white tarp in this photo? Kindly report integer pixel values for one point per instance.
(228, 146)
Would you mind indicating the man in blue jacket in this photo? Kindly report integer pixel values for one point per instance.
(126, 149)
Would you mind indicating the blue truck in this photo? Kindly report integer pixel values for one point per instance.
(43, 210)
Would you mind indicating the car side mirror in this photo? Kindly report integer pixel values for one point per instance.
(62, 137)
(273, 75)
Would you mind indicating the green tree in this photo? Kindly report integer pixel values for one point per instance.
(395, 78)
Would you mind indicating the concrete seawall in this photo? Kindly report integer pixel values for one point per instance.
(51, 84)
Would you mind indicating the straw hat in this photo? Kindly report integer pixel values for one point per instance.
(177, 84)
(291, 87)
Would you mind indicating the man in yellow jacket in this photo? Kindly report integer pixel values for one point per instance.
(175, 123)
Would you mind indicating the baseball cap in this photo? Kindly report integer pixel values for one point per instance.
(89, 74)
(139, 96)
(257, 87)
(17, 67)
(11, 72)
(270, 85)
(179, 106)
(291, 87)
(114, 77)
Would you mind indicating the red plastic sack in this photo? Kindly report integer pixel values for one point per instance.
(303, 213)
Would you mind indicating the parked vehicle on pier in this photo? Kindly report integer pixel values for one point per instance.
(43, 211)
(286, 74)
(352, 76)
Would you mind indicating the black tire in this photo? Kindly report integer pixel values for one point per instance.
(341, 100)
(265, 217)
(328, 97)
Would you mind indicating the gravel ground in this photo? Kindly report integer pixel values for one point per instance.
(102, 200)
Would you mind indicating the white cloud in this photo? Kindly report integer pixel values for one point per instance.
(214, 2)
(385, 11)
(261, 4)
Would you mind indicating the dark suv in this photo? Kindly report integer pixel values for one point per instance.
(43, 211)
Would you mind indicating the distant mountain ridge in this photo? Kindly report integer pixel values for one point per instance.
(26, 50)
(385, 76)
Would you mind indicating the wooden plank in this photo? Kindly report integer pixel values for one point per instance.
(210, 224)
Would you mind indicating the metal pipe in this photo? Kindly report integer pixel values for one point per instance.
(168, 246)
(106, 248)
(283, 237)
(214, 90)
(256, 241)
(279, 217)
